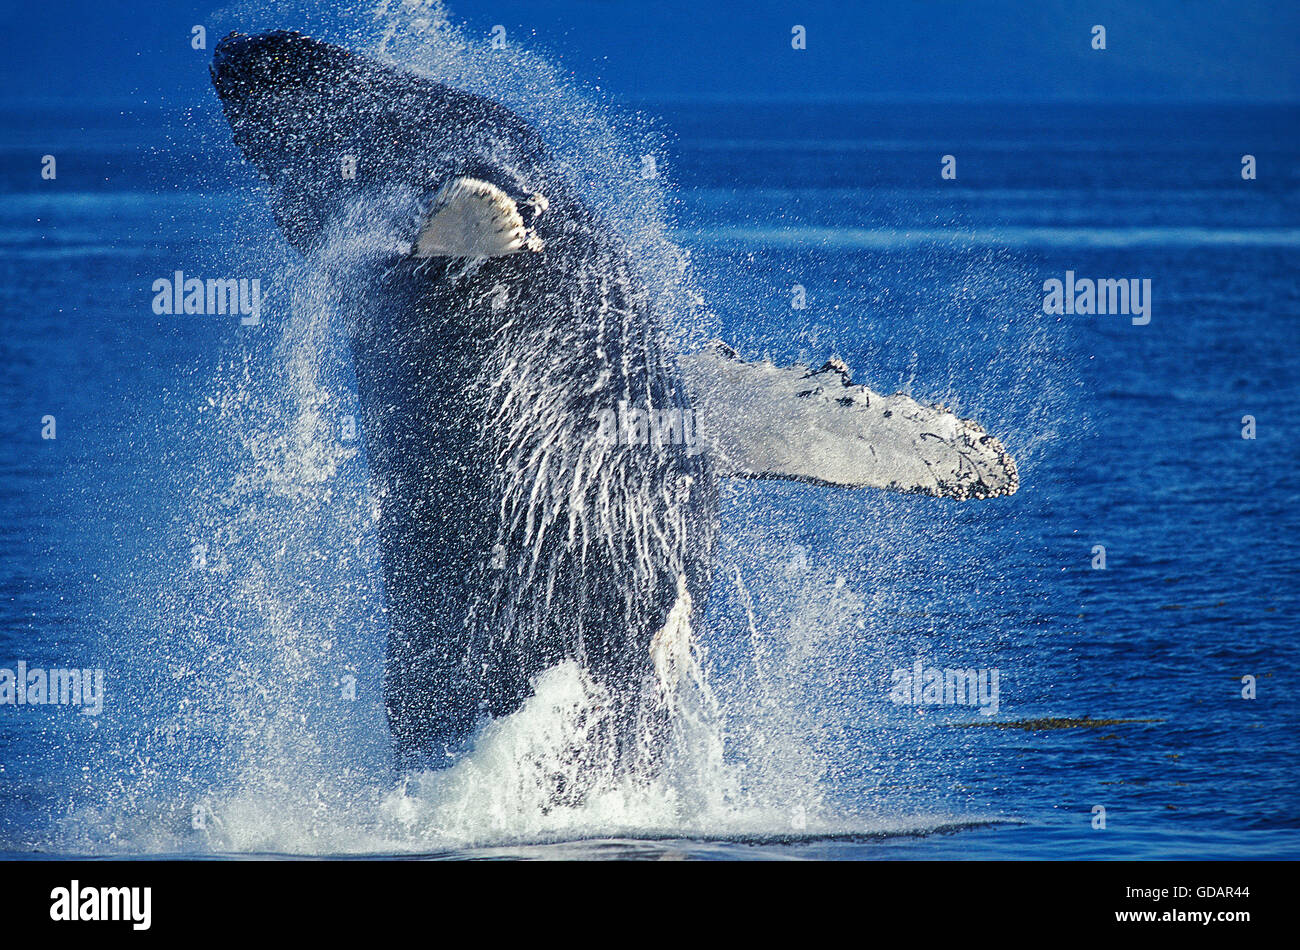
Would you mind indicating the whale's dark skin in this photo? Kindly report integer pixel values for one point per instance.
(511, 536)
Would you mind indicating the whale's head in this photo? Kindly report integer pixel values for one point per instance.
(333, 132)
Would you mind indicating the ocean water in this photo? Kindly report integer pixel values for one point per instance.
(200, 527)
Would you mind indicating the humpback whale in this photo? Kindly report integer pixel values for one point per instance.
(544, 462)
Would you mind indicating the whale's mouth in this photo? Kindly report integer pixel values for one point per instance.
(283, 60)
(403, 162)
(301, 113)
(281, 89)
(262, 82)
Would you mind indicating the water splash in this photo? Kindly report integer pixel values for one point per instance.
(268, 643)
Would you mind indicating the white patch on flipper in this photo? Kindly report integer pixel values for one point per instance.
(673, 648)
(473, 218)
(758, 420)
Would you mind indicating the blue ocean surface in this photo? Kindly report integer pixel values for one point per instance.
(200, 527)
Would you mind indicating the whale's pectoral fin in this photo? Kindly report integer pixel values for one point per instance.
(761, 421)
(473, 218)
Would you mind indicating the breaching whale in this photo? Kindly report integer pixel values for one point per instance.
(544, 463)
